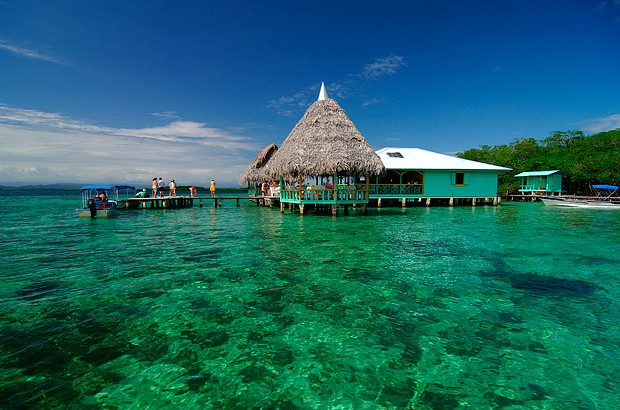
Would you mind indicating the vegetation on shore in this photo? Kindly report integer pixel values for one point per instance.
(582, 160)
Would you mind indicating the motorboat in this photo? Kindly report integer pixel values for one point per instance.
(604, 199)
(101, 201)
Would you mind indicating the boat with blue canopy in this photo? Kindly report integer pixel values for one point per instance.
(605, 198)
(101, 201)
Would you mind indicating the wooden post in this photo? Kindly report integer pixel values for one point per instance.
(473, 202)
(404, 202)
(451, 201)
(301, 209)
(428, 202)
(364, 210)
(200, 203)
(281, 207)
(379, 203)
(334, 210)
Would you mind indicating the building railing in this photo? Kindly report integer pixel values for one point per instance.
(396, 189)
(537, 188)
(341, 193)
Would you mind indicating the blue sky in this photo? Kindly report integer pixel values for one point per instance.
(122, 91)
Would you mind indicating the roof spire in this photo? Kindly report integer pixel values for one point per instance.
(323, 95)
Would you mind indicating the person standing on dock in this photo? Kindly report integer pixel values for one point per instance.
(160, 187)
(154, 187)
(173, 188)
(212, 188)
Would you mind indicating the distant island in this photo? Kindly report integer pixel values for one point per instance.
(76, 187)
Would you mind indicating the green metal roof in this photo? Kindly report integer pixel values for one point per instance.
(537, 173)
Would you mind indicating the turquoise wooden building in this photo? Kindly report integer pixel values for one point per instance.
(540, 182)
(415, 175)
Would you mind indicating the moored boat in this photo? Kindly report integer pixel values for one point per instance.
(100, 201)
(604, 199)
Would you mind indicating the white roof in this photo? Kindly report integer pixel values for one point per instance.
(419, 159)
(537, 173)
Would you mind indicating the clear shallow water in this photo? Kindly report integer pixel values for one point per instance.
(512, 307)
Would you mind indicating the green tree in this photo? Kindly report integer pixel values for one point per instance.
(583, 160)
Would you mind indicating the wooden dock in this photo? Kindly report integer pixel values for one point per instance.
(179, 202)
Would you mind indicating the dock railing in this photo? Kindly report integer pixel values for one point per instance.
(320, 194)
(396, 189)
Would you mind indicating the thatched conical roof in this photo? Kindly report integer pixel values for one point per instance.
(323, 142)
(255, 171)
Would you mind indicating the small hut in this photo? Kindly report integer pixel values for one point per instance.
(254, 174)
(326, 148)
(541, 182)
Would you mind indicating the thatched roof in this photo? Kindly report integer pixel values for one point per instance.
(255, 171)
(323, 142)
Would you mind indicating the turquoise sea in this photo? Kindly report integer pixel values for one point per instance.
(509, 307)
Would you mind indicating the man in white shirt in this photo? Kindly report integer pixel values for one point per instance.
(160, 187)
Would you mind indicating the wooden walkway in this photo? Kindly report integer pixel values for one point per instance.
(178, 202)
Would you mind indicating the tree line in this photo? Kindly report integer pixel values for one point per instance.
(583, 160)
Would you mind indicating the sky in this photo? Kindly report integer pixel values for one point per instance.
(123, 91)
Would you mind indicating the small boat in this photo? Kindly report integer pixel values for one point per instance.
(604, 199)
(101, 201)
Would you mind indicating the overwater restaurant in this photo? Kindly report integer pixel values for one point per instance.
(326, 163)
(327, 148)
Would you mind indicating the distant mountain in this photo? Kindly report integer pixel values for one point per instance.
(76, 187)
(46, 187)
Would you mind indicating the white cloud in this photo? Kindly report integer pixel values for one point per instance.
(595, 125)
(384, 66)
(22, 116)
(182, 131)
(27, 53)
(372, 101)
(40, 147)
(166, 115)
(297, 103)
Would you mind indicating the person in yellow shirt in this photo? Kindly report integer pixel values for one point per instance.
(212, 188)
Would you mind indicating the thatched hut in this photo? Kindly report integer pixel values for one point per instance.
(325, 145)
(255, 172)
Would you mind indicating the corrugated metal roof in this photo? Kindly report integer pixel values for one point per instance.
(537, 173)
(419, 159)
